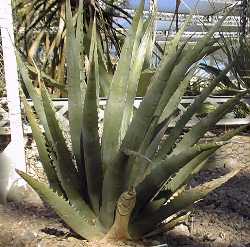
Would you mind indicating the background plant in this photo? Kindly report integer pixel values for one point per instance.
(235, 51)
(123, 184)
(42, 34)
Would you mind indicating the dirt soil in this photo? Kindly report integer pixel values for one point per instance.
(220, 220)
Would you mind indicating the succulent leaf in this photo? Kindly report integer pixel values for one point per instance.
(170, 224)
(205, 124)
(65, 169)
(115, 182)
(114, 111)
(175, 100)
(138, 57)
(152, 183)
(36, 98)
(144, 115)
(65, 211)
(76, 89)
(42, 149)
(113, 121)
(181, 202)
(80, 42)
(167, 145)
(90, 135)
(49, 81)
(185, 174)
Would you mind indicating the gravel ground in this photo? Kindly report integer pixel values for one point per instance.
(220, 220)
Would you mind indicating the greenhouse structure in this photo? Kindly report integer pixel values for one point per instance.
(125, 123)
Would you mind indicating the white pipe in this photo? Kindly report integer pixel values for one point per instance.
(14, 154)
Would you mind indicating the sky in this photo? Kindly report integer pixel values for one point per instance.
(203, 7)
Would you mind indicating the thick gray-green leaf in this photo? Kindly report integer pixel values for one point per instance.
(145, 114)
(90, 135)
(113, 120)
(178, 203)
(185, 62)
(185, 174)
(75, 99)
(174, 134)
(138, 56)
(47, 162)
(114, 111)
(164, 169)
(65, 168)
(174, 101)
(49, 81)
(144, 82)
(115, 181)
(36, 98)
(80, 41)
(69, 214)
(206, 123)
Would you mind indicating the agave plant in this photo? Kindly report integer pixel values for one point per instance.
(124, 182)
(237, 53)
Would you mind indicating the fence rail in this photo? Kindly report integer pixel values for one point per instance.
(61, 106)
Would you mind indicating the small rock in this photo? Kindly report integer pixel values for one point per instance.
(219, 242)
(71, 239)
(139, 245)
(235, 244)
(180, 230)
(29, 236)
(209, 237)
(26, 240)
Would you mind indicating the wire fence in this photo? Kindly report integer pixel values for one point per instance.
(2, 78)
(4, 119)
